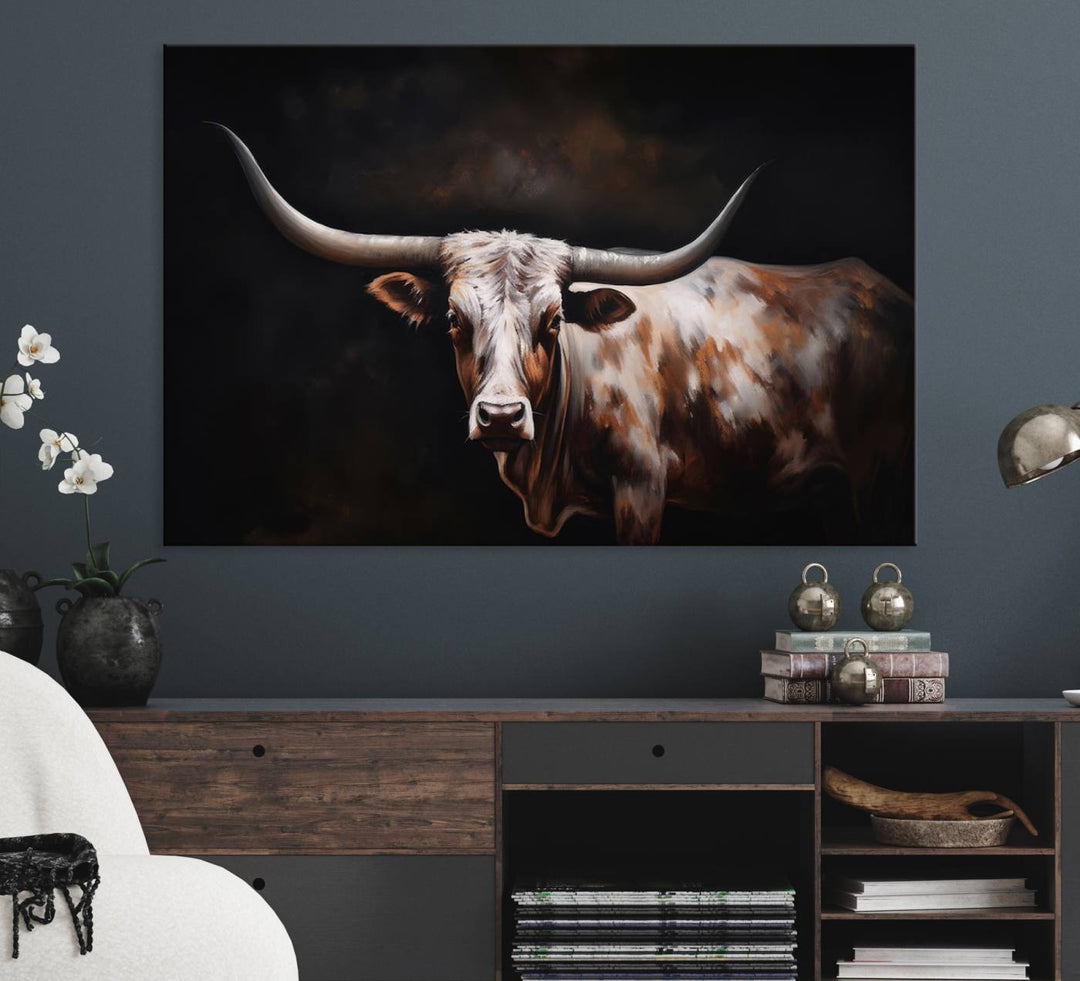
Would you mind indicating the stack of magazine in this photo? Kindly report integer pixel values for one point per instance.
(904, 893)
(938, 963)
(566, 930)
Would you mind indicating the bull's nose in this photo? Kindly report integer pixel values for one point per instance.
(501, 421)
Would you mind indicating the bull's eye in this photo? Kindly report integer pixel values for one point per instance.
(454, 327)
(555, 324)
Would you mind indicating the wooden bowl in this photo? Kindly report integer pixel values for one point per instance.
(911, 832)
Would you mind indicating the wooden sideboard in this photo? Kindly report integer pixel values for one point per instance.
(386, 833)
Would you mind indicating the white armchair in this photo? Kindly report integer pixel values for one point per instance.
(164, 918)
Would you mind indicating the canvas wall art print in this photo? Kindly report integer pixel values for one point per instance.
(540, 295)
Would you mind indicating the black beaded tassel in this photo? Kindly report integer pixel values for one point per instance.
(40, 864)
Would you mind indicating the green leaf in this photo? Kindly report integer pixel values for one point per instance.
(110, 577)
(79, 568)
(134, 568)
(94, 587)
(66, 583)
(97, 559)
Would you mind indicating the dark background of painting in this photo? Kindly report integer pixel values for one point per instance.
(316, 414)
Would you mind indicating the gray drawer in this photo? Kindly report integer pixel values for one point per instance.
(658, 753)
(381, 917)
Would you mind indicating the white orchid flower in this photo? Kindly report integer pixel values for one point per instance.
(14, 401)
(36, 347)
(53, 444)
(33, 387)
(85, 474)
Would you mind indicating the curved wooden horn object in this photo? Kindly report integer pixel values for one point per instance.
(900, 804)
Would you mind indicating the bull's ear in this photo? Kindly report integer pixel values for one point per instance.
(597, 309)
(414, 298)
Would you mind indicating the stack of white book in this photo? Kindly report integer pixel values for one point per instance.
(899, 894)
(937, 963)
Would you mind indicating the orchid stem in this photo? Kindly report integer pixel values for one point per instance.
(89, 547)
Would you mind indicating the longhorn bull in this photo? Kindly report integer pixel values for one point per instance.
(702, 382)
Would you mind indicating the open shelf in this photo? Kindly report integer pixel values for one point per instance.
(1003, 913)
(860, 841)
(741, 835)
(798, 829)
(1033, 939)
(1012, 758)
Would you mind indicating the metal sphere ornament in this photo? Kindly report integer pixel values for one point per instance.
(887, 605)
(856, 680)
(814, 605)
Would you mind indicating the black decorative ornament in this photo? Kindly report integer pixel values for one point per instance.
(108, 649)
(41, 864)
(21, 629)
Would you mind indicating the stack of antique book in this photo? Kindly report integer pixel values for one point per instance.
(567, 930)
(797, 669)
(933, 962)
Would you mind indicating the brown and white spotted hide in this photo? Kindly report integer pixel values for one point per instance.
(718, 391)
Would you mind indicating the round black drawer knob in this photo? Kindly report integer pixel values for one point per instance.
(658, 751)
(258, 884)
(258, 750)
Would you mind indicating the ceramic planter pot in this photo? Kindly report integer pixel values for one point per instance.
(109, 649)
(21, 627)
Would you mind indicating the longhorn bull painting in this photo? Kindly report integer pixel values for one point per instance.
(625, 386)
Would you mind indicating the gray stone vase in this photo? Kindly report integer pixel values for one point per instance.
(21, 628)
(109, 649)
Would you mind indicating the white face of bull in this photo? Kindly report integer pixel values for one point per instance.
(504, 300)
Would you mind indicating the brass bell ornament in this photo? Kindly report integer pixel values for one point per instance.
(887, 605)
(856, 680)
(814, 605)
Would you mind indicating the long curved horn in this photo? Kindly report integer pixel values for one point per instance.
(623, 269)
(350, 248)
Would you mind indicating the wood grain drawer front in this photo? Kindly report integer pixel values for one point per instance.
(206, 788)
(381, 918)
(690, 753)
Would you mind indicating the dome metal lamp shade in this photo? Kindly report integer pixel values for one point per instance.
(1037, 442)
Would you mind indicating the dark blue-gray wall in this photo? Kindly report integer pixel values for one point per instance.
(995, 573)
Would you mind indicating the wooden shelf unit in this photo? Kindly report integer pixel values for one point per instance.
(859, 841)
(1004, 913)
(1014, 756)
(422, 807)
